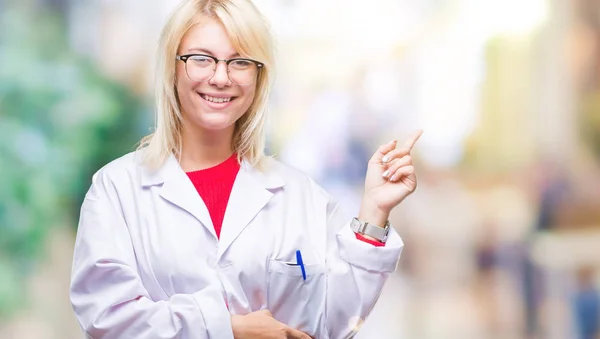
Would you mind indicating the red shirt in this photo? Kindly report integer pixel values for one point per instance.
(214, 185)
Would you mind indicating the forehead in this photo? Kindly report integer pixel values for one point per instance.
(209, 35)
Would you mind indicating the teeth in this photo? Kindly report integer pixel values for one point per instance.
(213, 99)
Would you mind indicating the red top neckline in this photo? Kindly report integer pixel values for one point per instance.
(228, 166)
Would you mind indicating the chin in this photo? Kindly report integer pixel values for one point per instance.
(216, 121)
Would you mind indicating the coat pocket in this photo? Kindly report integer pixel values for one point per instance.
(296, 302)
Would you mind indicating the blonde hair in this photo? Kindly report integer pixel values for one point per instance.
(250, 36)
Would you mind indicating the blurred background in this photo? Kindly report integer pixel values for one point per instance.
(503, 234)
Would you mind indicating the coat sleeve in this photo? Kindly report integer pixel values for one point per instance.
(106, 291)
(356, 273)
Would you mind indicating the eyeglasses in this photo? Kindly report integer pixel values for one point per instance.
(201, 67)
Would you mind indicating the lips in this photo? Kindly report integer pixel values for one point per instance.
(217, 99)
(216, 103)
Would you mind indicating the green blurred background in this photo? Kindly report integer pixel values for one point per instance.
(502, 236)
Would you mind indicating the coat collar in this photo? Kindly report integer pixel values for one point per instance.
(170, 169)
(251, 192)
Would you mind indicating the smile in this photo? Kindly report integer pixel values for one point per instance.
(216, 99)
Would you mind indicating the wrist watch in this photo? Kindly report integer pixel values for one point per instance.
(364, 228)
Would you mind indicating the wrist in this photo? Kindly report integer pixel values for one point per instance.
(372, 214)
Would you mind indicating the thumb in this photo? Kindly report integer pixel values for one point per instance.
(296, 334)
(265, 312)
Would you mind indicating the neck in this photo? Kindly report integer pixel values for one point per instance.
(205, 149)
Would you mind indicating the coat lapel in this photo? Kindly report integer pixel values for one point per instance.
(178, 189)
(249, 195)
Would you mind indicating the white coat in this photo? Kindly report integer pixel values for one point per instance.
(148, 264)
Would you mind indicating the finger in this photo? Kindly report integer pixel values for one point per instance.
(405, 149)
(383, 150)
(410, 142)
(395, 154)
(395, 164)
(402, 172)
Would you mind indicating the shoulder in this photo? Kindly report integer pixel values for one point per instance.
(295, 178)
(305, 193)
(124, 168)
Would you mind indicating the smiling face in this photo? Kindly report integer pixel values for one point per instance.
(217, 103)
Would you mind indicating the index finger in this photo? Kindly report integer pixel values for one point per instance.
(410, 142)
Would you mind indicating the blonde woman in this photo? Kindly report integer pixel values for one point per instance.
(198, 234)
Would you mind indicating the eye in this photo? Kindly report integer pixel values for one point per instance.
(201, 60)
(241, 64)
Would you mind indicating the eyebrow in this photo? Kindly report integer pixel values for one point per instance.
(206, 51)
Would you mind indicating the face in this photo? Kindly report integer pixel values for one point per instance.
(217, 103)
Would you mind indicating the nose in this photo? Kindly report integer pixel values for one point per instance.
(220, 78)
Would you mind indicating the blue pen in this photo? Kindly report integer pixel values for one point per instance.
(301, 263)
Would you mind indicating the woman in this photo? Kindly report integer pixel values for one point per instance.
(198, 235)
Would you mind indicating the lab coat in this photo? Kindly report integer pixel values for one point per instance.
(148, 264)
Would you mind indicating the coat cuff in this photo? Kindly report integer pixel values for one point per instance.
(383, 259)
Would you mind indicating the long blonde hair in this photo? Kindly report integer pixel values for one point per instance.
(250, 36)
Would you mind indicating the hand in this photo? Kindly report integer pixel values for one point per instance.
(390, 179)
(262, 325)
